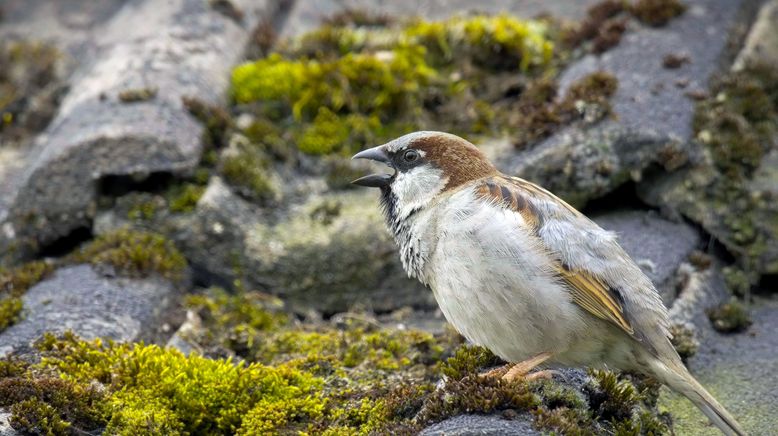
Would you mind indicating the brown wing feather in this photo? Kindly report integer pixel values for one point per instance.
(588, 291)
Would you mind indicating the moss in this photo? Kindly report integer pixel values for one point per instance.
(602, 25)
(731, 317)
(134, 253)
(657, 12)
(183, 198)
(246, 169)
(586, 101)
(49, 405)
(339, 87)
(684, 341)
(31, 87)
(468, 360)
(738, 281)
(10, 312)
(137, 94)
(143, 210)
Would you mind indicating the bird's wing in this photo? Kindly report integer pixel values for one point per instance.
(601, 277)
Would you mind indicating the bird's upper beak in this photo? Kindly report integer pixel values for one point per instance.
(377, 154)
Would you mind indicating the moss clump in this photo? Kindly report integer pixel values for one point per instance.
(657, 12)
(345, 85)
(625, 404)
(137, 94)
(586, 101)
(14, 283)
(604, 24)
(184, 197)
(43, 404)
(10, 312)
(134, 253)
(150, 388)
(684, 341)
(468, 360)
(247, 168)
(731, 317)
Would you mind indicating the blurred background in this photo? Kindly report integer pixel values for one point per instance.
(176, 173)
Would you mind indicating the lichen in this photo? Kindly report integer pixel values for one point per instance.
(730, 317)
(133, 253)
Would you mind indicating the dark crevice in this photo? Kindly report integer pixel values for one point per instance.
(67, 243)
(623, 197)
(118, 185)
(767, 285)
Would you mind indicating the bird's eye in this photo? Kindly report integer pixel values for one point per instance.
(411, 156)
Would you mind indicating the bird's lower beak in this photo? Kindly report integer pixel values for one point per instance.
(377, 154)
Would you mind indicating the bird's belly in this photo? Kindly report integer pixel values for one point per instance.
(508, 302)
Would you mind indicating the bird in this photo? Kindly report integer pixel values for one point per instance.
(519, 271)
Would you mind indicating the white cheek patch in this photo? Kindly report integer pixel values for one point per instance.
(416, 187)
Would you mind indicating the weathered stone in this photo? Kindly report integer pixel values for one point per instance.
(762, 42)
(739, 370)
(657, 245)
(5, 427)
(580, 165)
(653, 115)
(93, 305)
(483, 425)
(181, 48)
(330, 253)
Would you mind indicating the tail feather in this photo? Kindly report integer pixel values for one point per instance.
(679, 379)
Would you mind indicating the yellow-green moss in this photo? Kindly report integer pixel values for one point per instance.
(339, 88)
(14, 283)
(184, 197)
(134, 253)
(246, 168)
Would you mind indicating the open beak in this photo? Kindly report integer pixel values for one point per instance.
(377, 154)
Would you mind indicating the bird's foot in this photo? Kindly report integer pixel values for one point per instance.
(521, 370)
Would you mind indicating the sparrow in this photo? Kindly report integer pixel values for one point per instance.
(517, 270)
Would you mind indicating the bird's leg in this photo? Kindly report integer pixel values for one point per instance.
(496, 372)
(522, 369)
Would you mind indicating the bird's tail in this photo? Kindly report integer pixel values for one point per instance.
(677, 377)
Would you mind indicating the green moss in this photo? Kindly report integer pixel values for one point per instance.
(730, 317)
(247, 168)
(144, 210)
(14, 283)
(134, 253)
(31, 86)
(684, 341)
(137, 94)
(657, 12)
(468, 360)
(339, 87)
(50, 405)
(10, 312)
(183, 198)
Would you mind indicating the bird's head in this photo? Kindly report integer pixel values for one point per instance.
(425, 165)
